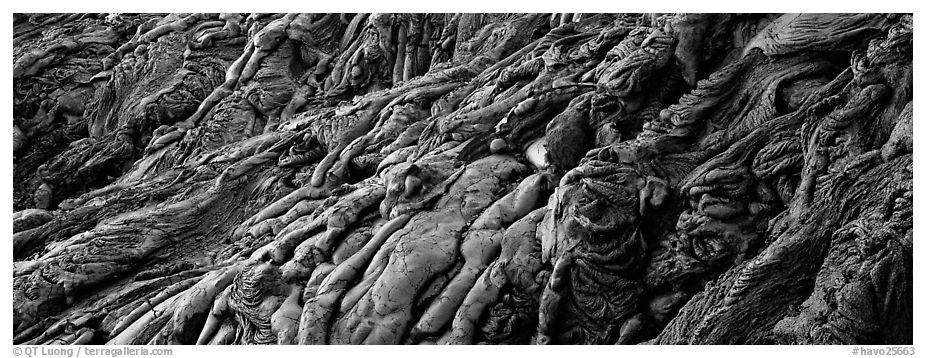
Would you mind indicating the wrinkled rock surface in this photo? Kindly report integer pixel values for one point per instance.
(463, 178)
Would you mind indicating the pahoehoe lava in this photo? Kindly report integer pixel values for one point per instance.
(462, 178)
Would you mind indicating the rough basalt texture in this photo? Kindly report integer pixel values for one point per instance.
(463, 178)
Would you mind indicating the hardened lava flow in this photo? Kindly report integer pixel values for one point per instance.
(462, 178)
